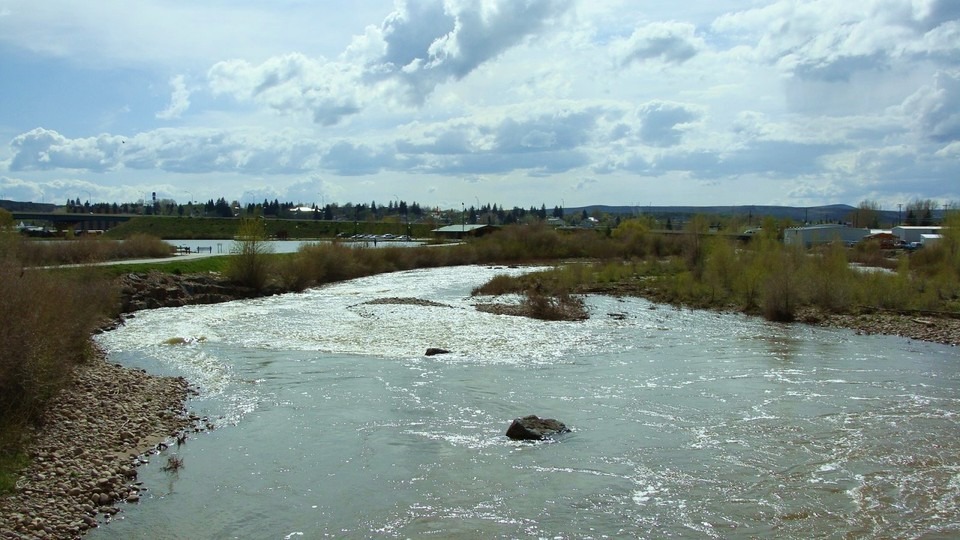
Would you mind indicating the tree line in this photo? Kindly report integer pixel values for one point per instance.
(488, 213)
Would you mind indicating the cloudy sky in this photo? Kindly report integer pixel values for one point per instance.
(513, 102)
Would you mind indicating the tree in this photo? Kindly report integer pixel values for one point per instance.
(6, 219)
(250, 265)
(920, 212)
(867, 215)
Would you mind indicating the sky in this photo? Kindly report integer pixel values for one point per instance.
(468, 102)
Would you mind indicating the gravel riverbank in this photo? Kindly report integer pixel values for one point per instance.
(84, 458)
(936, 329)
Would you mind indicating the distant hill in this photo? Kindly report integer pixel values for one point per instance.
(813, 214)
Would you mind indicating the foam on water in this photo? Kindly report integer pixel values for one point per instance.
(342, 319)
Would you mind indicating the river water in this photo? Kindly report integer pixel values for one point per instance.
(226, 246)
(331, 423)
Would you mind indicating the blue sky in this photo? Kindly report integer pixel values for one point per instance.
(513, 102)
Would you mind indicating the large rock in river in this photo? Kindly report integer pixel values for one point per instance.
(534, 428)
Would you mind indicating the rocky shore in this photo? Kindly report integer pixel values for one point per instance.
(933, 328)
(83, 459)
(158, 289)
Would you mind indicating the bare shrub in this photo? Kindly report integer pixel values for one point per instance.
(556, 306)
(781, 290)
(249, 265)
(139, 246)
(174, 464)
(84, 250)
(44, 331)
(871, 254)
(498, 285)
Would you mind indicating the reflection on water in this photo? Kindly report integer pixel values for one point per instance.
(225, 246)
(694, 424)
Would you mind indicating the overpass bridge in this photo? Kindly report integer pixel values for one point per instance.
(76, 221)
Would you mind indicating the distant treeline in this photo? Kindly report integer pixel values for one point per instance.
(486, 213)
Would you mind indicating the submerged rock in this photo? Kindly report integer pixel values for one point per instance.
(534, 428)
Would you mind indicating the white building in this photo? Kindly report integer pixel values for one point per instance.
(911, 233)
(812, 235)
(929, 239)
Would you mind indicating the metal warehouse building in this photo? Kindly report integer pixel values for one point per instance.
(908, 233)
(823, 234)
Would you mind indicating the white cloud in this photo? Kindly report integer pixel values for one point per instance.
(46, 149)
(663, 123)
(827, 40)
(179, 99)
(936, 108)
(424, 47)
(670, 42)
(524, 97)
(292, 84)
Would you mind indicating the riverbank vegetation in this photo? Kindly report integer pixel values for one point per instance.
(83, 250)
(45, 328)
(763, 276)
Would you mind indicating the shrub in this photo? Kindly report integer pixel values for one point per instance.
(45, 326)
(552, 306)
(498, 285)
(137, 246)
(250, 265)
(829, 279)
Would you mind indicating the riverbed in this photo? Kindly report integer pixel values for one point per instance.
(331, 422)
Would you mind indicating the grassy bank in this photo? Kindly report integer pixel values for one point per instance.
(197, 228)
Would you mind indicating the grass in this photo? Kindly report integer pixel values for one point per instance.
(11, 462)
(186, 228)
(215, 264)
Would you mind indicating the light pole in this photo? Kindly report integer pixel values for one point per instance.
(463, 219)
(397, 207)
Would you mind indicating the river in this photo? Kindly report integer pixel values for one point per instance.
(331, 423)
(226, 246)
